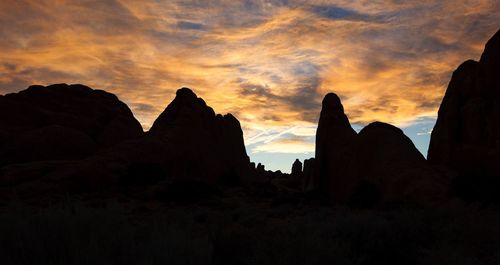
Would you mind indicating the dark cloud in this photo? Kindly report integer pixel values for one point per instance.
(304, 100)
(190, 25)
(338, 13)
(13, 85)
(334, 12)
(142, 107)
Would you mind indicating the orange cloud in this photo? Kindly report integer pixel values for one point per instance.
(269, 62)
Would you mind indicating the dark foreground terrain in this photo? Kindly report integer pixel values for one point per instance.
(238, 229)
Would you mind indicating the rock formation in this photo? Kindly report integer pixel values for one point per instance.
(296, 175)
(308, 174)
(187, 143)
(296, 168)
(61, 122)
(378, 164)
(335, 140)
(213, 144)
(387, 161)
(466, 138)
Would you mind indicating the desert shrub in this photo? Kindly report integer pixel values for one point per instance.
(240, 231)
(75, 234)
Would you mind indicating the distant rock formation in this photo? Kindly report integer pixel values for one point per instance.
(61, 122)
(308, 174)
(296, 175)
(380, 164)
(296, 168)
(261, 168)
(466, 137)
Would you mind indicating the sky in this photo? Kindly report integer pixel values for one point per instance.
(269, 63)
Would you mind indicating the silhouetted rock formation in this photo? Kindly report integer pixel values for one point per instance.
(334, 148)
(387, 161)
(380, 164)
(261, 168)
(61, 122)
(187, 143)
(212, 143)
(297, 167)
(296, 175)
(466, 137)
(308, 174)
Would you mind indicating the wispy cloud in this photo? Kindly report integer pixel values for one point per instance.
(269, 62)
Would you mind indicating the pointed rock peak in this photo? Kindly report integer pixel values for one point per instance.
(186, 110)
(229, 118)
(185, 96)
(296, 167)
(492, 49)
(331, 102)
(186, 93)
(332, 113)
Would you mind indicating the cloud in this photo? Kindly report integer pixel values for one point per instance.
(339, 13)
(269, 62)
(286, 146)
(189, 25)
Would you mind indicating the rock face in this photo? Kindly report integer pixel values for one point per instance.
(308, 174)
(188, 143)
(335, 140)
(61, 122)
(212, 144)
(466, 137)
(388, 167)
(380, 164)
(297, 168)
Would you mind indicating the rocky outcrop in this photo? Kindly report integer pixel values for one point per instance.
(296, 168)
(211, 144)
(466, 137)
(465, 141)
(378, 165)
(296, 175)
(62, 122)
(388, 163)
(188, 143)
(308, 174)
(335, 140)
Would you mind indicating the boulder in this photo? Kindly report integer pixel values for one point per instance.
(62, 122)
(388, 167)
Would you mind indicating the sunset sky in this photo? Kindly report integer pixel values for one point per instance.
(268, 62)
